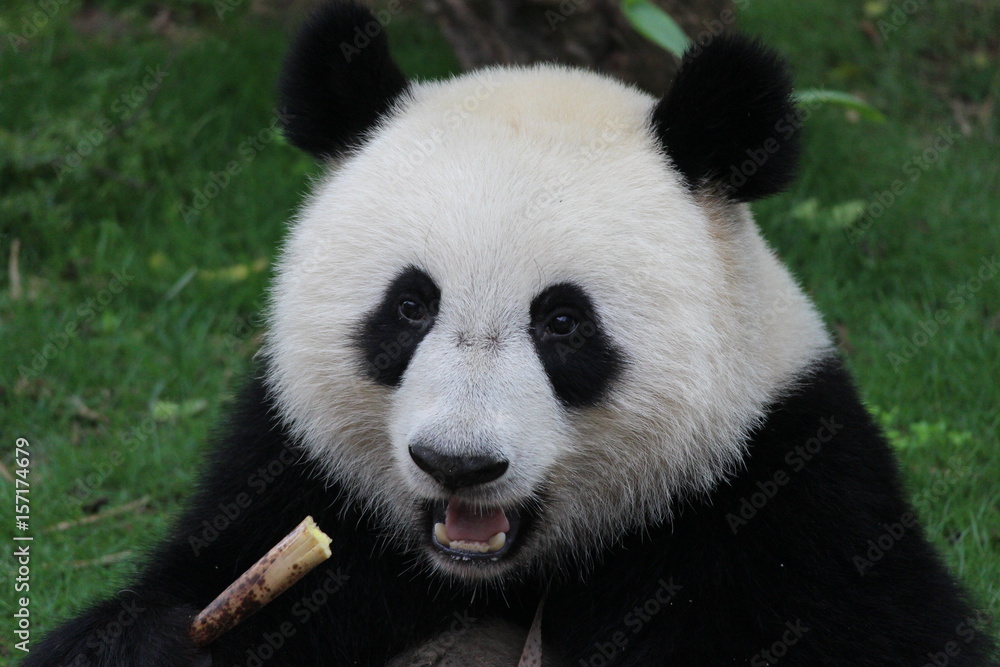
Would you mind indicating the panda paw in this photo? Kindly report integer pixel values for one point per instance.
(125, 631)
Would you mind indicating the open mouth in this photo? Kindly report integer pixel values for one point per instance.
(466, 532)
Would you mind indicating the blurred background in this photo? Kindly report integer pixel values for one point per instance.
(144, 190)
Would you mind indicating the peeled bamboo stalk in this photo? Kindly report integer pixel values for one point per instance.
(299, 552)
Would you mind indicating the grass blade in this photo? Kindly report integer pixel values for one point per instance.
(655, 25)
(815, 96)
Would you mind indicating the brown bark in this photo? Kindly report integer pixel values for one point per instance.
(586, 33)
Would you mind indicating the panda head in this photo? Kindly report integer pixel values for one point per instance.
(526, 309)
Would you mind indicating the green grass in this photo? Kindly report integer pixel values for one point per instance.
(918, 325)
(157, 348)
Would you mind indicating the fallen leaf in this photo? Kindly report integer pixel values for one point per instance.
(81, 410)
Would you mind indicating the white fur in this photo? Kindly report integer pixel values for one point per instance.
(499, 184)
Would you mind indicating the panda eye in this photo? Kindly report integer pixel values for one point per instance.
(561, 323)
(413, 310)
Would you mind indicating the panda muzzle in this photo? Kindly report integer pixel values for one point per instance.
(462, 529)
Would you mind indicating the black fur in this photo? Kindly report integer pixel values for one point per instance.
(387, 340)
(742, 585)
(338, 81)
(581, 366)
(704, 590)
(729, 122)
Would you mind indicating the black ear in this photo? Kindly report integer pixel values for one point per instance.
(729, 121)
(338, 80)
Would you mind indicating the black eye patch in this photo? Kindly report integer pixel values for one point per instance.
(390, 333)
(579, 358)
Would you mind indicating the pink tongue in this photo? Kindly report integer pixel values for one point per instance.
(463, 522)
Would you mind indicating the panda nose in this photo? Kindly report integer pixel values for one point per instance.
(456, 472)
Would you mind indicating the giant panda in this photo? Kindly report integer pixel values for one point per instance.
(531, 365)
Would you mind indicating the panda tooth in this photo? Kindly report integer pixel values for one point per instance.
(471, 546)
(497, 541)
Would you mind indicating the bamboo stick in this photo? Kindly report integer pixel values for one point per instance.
(299, 552)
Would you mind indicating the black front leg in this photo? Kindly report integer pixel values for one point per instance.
(364, 605)
(132, 628)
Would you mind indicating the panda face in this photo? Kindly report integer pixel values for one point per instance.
(508, 326)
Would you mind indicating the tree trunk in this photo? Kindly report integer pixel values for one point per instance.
(587, 33)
